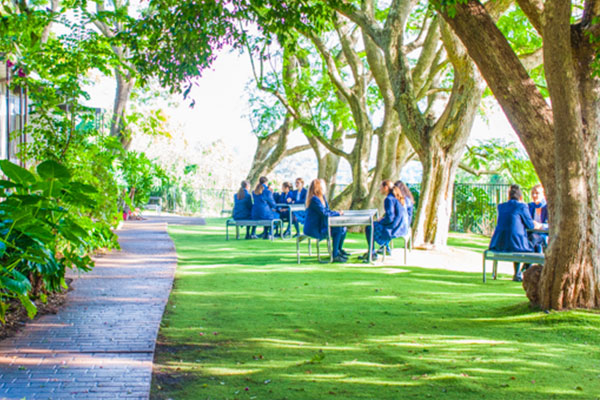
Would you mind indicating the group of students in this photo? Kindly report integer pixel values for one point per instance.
(515, 218)
(261, 204)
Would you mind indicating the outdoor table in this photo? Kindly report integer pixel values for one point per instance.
(292, 207)
(352, 218)
(370, 211)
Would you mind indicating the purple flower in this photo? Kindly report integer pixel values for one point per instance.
(21, 73)
(9, 63)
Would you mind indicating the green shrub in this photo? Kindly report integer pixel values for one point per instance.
(45, 228)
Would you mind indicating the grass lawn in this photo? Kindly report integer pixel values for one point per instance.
(244, 321)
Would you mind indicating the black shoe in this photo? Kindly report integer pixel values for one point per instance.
(345, 253)
(248, 237)
(340, 259)
(388, 252)
(366, 258)
(253, 237)
(517, 279)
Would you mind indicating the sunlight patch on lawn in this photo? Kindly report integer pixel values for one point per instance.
(391, 271)
(222, 371)
(292, 344)
(357, 363)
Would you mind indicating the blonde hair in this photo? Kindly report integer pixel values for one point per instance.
(393, 189)
(536, 187)
(316, 189)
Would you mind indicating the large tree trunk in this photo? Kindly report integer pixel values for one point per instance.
(123, 91)
(561, 139)
(571, 276)
(432, 218)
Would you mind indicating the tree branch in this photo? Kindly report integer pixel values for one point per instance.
(475, 172)
(533, 59)
(328, 146)
(420, 39)
(367, 22)
(591, 10)
(332, 69)
(349, 52)
(534, 10)
(296, 150)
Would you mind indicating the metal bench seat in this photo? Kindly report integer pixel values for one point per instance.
(301, 238)
(407, 244)
(272, 223)
(495, 256)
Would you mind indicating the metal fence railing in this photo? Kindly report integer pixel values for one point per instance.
(474, 206)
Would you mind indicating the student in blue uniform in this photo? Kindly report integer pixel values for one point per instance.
(298, 196)
(264, 205)
(394, 222)
(315, 226)
(285, 197)
(539, 213)
(242, 208)
(409, 200)
(510, 234)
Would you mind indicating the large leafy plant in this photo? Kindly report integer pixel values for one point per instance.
(40, 232)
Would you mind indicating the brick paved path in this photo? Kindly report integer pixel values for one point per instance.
(101, 344)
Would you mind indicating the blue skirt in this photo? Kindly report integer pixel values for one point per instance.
(380, 234)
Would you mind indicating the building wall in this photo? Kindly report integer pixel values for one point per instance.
(13, 116)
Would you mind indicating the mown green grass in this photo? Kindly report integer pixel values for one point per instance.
(244, 321)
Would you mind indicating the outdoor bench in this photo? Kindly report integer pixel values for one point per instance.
(407, 244)
(272, 223)
(308, 239)
(525, 258)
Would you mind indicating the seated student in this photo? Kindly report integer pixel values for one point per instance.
(264, 205)
(298, 196)
(285, 197)
(510, 234)
(242, 208)
(409, 200)
(539, 213)
(317, 211)
(394, 222)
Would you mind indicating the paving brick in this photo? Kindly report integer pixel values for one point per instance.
(101, 343)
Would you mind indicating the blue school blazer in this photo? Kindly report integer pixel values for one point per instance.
(510, 234)
(544, 213)
(315, 224)
(264, 205)
(242, 209)
(298, 199)
(395, 219)
(282, 197)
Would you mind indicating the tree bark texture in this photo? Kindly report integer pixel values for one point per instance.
(125, 85)
(561, 139)
(271, 150)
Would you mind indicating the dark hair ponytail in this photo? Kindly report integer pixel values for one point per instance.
(242, 192)
(259, 187)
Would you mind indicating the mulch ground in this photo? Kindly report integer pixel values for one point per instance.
(16, 316)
